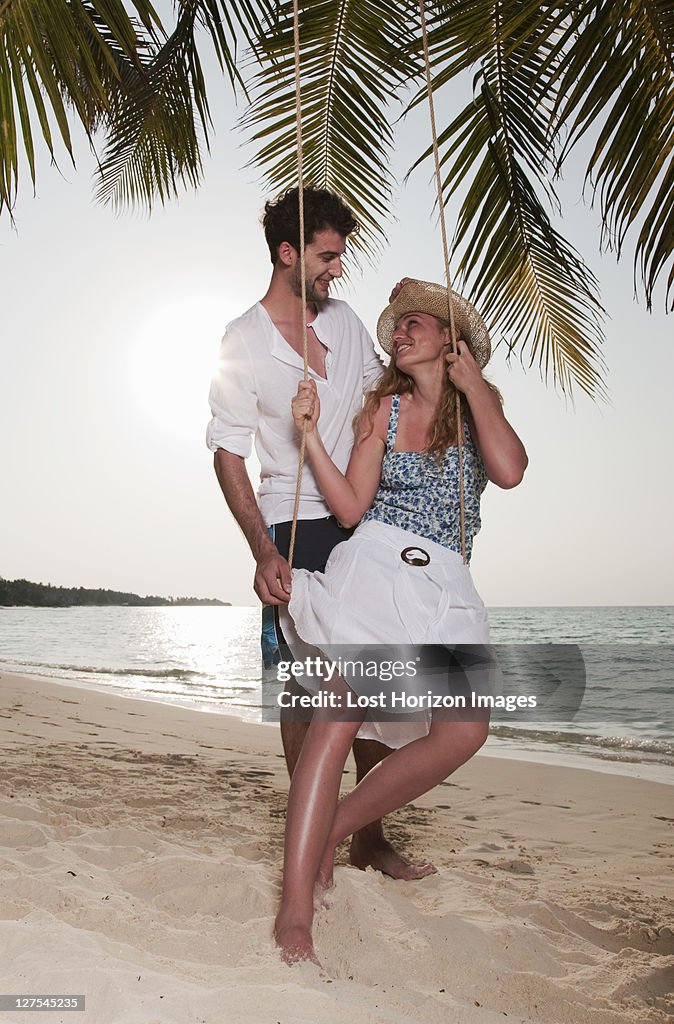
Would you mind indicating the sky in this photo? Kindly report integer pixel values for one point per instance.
(110, 332)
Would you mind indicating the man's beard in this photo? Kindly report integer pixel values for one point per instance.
(296, 286)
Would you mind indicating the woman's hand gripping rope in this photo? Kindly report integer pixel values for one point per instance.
(306, 406)
(462, 369)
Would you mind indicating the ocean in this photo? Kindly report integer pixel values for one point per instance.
(208, 658)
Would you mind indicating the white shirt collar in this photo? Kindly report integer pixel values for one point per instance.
(280, 348)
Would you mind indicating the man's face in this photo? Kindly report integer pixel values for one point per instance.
(323, 262)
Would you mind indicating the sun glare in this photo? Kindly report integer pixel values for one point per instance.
(173, 358)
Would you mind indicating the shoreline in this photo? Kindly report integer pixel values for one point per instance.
(141, 854)
(497, 747)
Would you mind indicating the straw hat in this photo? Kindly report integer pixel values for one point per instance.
(426, 297)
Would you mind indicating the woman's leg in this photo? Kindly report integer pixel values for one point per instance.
(312, 802)
(403, 776)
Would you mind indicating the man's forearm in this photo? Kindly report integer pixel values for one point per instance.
(272, 575)
(235, 485)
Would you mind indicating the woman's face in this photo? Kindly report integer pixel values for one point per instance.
(419, 338)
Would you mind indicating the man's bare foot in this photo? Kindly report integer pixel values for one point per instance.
(296, 945)
(381, 856)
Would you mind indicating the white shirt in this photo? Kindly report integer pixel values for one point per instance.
(250, 395)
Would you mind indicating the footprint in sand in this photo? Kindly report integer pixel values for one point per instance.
(515, 867)
(249, 851)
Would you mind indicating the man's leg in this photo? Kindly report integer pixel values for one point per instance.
(293, 732)
(274, 649)
(369, 847)
(293, 735)
(314, 541)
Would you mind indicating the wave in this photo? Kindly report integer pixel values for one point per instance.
(660, 748)
(237, 695)
(139, 672)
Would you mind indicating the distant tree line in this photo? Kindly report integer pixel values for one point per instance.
(44, 595)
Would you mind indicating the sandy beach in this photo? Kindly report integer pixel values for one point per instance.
(141, 852)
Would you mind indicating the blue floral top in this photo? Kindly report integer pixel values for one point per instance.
(419, 494)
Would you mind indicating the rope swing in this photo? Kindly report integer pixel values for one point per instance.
(448, 280)
(445, 249)
(303, 271)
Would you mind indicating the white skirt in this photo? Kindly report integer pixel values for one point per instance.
(369, 595)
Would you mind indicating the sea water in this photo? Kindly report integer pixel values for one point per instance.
(208, 658)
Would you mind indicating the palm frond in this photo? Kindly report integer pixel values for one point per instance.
(152, 145)
(159, 120)
(354, 55)
(53, 56)
(615, 83)
(113, 64)
(230, 24)
(528, 281)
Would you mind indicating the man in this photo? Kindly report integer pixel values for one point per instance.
(260, 366)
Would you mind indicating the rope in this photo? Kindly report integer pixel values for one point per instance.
(445, 249)
(300, 196)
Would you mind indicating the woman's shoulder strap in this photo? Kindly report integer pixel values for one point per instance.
(393, 422)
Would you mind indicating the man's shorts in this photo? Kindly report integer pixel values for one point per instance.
(314, 541)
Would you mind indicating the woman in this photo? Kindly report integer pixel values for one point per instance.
(400, 578)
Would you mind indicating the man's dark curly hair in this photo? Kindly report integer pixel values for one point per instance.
(322, 209)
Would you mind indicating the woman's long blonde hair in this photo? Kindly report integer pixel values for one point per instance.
(394, 381)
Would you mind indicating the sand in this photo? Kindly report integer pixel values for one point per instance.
(140, 861)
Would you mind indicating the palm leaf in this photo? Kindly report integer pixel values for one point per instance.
(118, 70)
(159, 120)
(152, 146)
(616, 80)
(231, 22)
(354, 55)
(53, 55)
(528, 281)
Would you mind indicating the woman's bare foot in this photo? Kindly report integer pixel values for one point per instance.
(325, 877)
(296, 944)
(383, 857)
(322, 899)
